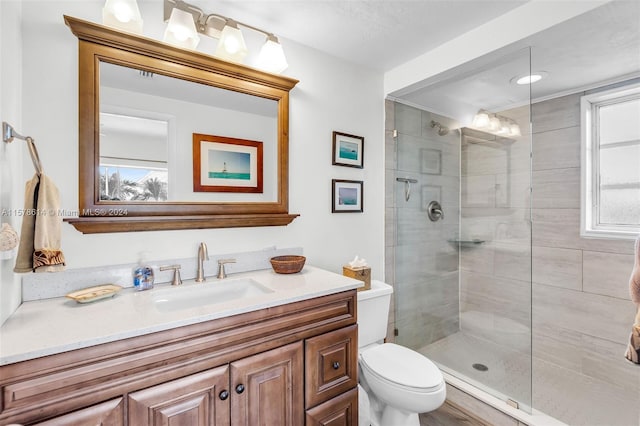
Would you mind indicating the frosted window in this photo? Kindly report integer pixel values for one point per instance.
(611, 168)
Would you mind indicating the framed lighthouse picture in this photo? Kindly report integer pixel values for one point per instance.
(223, 164)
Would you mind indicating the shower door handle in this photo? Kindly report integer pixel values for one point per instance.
(434, 210)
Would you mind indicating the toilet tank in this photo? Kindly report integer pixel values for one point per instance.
(373, 313)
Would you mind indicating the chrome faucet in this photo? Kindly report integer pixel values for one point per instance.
(203, 255)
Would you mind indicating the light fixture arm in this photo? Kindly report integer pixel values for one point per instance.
(204, 24)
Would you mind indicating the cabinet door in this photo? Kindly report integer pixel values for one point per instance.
(201, 399)
(268, 388)
(339, 411)
(110, 413)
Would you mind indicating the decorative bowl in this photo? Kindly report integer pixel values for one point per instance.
(290, 264)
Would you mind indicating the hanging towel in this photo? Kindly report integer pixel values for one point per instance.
(633, 351)
(39, 249)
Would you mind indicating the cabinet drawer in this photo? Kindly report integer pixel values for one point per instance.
(331, 364)
(109, 413)
(339, 411)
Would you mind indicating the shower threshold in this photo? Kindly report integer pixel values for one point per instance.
(536, 418)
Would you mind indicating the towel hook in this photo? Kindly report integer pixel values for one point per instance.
(9, 133)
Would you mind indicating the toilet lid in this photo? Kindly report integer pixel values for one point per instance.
(402, 366)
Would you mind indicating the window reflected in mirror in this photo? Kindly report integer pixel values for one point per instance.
(134, 163)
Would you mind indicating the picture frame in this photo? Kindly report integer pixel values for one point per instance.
(348, 150)
(224, 164)
(346, 196)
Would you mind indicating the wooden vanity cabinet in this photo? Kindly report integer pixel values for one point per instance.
(246, 369)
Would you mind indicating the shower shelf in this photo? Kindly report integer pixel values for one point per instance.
(467, 243)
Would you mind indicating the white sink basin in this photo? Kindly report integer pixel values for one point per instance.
(207, 293)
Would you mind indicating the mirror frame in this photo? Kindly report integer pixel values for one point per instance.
(98, 43)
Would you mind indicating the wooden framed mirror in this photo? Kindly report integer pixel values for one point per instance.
(145, 106)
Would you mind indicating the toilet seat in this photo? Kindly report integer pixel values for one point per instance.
(402, 367)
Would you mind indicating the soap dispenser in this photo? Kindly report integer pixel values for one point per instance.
(143, 274)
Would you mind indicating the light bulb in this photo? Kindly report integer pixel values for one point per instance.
(231, 45)
(481, 120)
(181, 30)
(514, 129)
(529, 79)
(271, 57)
(494, 124)
(122, 14)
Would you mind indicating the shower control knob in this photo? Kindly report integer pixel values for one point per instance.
(336, 365)
(434, 211)
(240, 388)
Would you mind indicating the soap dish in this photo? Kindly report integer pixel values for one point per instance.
(92, 294)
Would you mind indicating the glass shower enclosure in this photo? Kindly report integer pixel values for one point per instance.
(459, 234)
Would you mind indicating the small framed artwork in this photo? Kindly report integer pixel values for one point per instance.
(348, 150)
(430, 161)
(222, 164)
(346, 196)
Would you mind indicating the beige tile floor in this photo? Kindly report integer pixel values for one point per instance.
(570, 397)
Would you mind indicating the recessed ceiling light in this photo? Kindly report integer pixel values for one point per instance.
(529, 78)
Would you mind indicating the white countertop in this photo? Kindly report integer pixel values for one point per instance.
(46, 327)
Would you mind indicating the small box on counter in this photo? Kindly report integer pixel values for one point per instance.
(362, 273)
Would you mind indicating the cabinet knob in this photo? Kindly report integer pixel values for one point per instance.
(240, 388)
(336, 365)
(223, 395)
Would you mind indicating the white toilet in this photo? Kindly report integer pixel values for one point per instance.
(399, 382)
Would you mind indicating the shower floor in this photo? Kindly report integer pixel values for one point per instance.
(566, 395)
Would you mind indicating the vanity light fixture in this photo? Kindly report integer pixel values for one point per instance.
(122, 14)
(481, 119)
(231, 44)
(496, 124)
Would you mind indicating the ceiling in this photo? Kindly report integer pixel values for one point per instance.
(599, 46)
(596, 48)
(378, 34)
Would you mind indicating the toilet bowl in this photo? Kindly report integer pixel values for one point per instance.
(399, 382)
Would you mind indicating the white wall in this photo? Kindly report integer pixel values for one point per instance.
(332, 95)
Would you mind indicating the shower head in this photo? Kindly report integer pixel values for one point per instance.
(442, 130)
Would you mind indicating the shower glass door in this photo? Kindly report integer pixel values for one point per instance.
(462, 272)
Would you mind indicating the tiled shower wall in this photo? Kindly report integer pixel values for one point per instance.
(422, 264)
(495, 273)
(582, 313)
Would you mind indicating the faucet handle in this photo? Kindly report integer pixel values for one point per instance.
(176, 273)
(221, 272)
